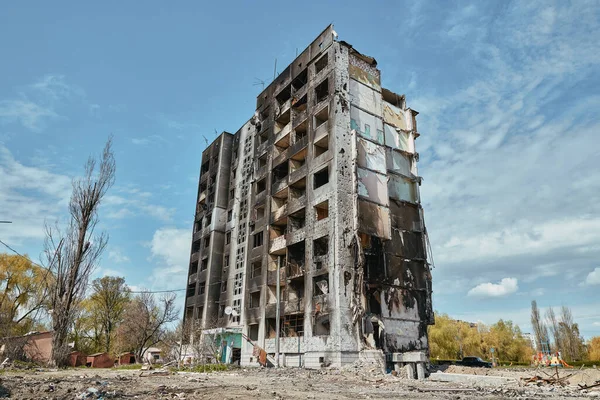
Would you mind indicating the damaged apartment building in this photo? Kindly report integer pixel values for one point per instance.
(317, 195)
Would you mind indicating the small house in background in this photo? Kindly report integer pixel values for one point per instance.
(77, 359)
(152, 355)
(126, 358)
(100, 360)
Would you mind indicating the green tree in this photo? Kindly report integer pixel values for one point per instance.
(22, 294)
(106, 306)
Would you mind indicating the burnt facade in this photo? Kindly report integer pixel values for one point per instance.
(319, 190)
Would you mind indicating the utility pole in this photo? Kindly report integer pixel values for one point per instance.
(5, 222)
(278, 312)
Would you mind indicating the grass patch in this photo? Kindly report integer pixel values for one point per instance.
(206, 368)
(132, 366)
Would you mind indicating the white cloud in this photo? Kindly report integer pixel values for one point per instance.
(38, 103)
(130, 201)
(505, 287)
(117, 256)
(170, 252)
(593, 278)
(148, 140)
(596, 323)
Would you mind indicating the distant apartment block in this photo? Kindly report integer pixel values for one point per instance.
(319, 190)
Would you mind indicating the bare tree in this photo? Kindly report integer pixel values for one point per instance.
(145, 323)
(73, 254)
(539, 328)
(554, 328)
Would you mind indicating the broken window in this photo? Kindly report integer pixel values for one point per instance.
(255, 299)
(226, 261)
(271, 328)
(258, 239)
(204, 265)
(322, 91)
(293, 325)
(256, 270)
(208, 220)
(228, 238)
(261, 185)
(295, 255)
(321, 63)
(191, 289)
(200, 312)
(284, 95)
(300, 80)
(197, 225)
(321, 178)
(202, 288)
(320, 285)
(205, 167)
(322, 210)
(196, 246)
(374, 266)
(262, 161)
(280, 172)
(189, 312)
(194, 267)
(206, 242)
(321, 246)
(224, 286)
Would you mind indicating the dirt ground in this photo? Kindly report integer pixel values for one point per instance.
(361, 382)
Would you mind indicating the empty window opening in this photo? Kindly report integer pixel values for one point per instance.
(297, 220)
(200, 312)
(253, 332)
(231, 194)
(211, 199)
(321, 327)
(300, 104)
(197, 225)
(194, 267)
(205, 167)
(298, 160)
(228, 238)
(296, 255)
(261, 186)
(321, 117)
(206, 242)
(191, 289)
(229, 215)
(280, 172)
(264, 114)
(189, 313)
(258, 239)
(322, 210)
(284, 95)
(259, 212)
(321, 246)
(321, 285)
(299, 82)
(279, 200)
(321, 178)
(374, 301)
(204, 265)
(224, 286)
(202, 187)
(322, 91)
(202, 288)
(255, 299)
(321, 146)
(226, 261)
(263, 137)
(262, 161)
(208, 220)
(321, 63)
(270, 328)
(256, 270)
(374, 266)
(301, 131)
(293, 325)
(196, 246)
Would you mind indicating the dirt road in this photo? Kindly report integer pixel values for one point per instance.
(360, 383)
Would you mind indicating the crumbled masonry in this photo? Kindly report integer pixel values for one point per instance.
(319, 190)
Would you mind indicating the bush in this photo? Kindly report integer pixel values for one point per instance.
(584, 363)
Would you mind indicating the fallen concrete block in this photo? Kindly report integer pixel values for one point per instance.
(481, 380)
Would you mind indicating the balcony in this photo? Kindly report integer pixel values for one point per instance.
(296, 204)
(260, 172)
(197, 235)
(280, 157)
(280, 212)
(277, 244)
(260, 197)
(192, 278)
(283, 132)
(195, 256)
(285, 106)
(279, 185)
(294, 271)
(298, 174)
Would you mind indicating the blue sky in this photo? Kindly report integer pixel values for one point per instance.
(508, 93)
